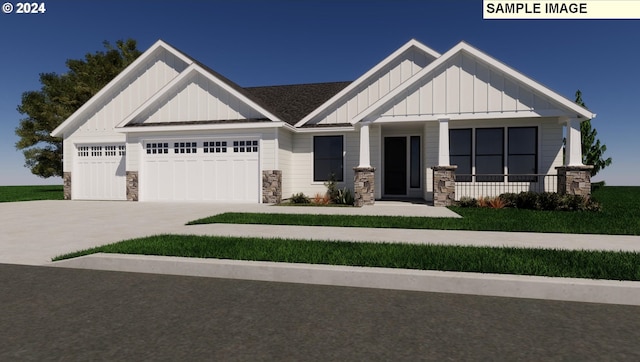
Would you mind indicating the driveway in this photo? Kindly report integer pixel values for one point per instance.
(33, 232)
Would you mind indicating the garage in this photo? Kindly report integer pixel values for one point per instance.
(215, 169)
(100, 172)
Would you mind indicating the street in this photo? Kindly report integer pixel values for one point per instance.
(65, 314)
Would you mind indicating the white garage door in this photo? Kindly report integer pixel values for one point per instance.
(224, 170)
(99, 173)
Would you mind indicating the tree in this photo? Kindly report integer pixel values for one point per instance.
(592, 150)
(59, 97)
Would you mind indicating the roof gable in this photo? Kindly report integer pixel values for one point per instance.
(374, 84)
(464, 82)
(117, 87)
(197, 94)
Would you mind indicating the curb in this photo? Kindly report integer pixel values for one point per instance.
(499, 285)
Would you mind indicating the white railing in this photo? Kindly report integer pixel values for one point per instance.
(493, 185)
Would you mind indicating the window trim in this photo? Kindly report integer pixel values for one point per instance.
(313, 158)
(505, 147)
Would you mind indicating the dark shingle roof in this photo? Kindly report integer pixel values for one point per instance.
(293, 102)
(290, 103)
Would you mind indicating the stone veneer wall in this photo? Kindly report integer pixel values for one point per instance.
(444, 185)
(66, 177)
(574, 180)
(271, 186)
(132, 185)
(364, 186)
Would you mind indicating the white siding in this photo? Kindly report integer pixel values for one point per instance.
(430, 156)
(465, 85)
(134, 90)
(285, 161)
(376, 87)
(197, 98)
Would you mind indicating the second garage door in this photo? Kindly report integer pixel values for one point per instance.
(222, 170)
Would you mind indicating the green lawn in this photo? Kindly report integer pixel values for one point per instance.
(620, 216)
(29, 193)
(543, 262)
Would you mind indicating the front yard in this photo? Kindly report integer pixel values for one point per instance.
(620, 215)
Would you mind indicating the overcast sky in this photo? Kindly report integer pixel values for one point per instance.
(256, 43)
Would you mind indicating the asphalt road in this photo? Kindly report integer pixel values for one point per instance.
(64, 314)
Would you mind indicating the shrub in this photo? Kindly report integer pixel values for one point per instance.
(496, 203)
(548, 201)
(345, 197)
(527, 200)
(510, 199)
(332, 188)
(321, 199)
(467, 201)
(299, 198)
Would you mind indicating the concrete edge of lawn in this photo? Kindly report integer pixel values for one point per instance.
(500, 285)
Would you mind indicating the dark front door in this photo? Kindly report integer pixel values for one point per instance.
(395, 165)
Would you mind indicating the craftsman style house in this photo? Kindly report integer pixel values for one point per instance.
(419, 124)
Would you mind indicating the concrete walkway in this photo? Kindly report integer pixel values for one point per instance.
(34, 232)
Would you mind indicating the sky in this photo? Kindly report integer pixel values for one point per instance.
(257, 43)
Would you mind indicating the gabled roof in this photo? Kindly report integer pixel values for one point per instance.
(366, 76)
(432, 68)
(132, 68)
(196, 68)
(293, 102)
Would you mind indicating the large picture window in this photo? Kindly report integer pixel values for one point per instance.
(489, 159)
(489, 154)
(327, 158)
(523, 153)
(460, 153)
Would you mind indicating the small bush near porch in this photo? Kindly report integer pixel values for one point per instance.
(545, 201)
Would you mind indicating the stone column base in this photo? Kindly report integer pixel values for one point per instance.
(66, 178)
(574, 180)
(271, 186)
(132, 185)
(444, 185)
(364, 186)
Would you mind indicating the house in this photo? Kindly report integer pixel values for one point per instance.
(419, 124)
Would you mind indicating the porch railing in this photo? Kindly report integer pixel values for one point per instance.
(493, 185)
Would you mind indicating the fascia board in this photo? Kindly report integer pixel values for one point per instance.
(464, 47)
(356, 83)
(325, 129)
(200, 127)
(133, 66)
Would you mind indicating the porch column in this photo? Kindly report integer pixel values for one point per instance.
(574, 178)
(573, 156)
(443, 142)
(365, 158)
(364, 174)
(444, 175)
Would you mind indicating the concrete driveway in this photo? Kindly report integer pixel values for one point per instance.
(33, 232)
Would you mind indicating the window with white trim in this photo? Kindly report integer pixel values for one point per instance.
(122, 150)
(157, 148)
(83, 151)
(96, 151)
(215, 147)
(328, 158)
(110, 150)
(185, 147)
(245, 146)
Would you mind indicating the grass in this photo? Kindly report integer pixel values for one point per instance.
(29, 193)
(620, 216)
(542, 262)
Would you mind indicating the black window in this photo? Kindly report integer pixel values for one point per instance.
(460, 153)
(523, 153)
(489, 154)
(327, 158)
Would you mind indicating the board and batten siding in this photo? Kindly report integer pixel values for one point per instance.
(381, 83)
(465, 85)
(99, 123)
(197, 98)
